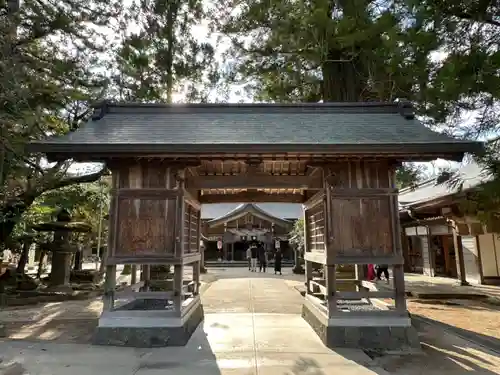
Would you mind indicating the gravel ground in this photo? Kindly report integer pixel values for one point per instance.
(474, 316)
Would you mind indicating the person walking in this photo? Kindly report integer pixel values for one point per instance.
(262, 257)
(253, 259)
(249, 258)
(278, 257)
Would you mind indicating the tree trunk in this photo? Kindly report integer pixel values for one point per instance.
(21, 265)
(43, 254)
(102, 266)
(171, 22)
(343, 79)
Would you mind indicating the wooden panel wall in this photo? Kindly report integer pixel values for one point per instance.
(144, 226)
(192, 217)
(316, 228)
(361, 208)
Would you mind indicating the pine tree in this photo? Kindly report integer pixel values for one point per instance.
(164, 58)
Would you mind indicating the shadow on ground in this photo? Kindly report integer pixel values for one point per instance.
(442, 354)
(64, 322)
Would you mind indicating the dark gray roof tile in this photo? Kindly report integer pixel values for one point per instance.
(322, 125)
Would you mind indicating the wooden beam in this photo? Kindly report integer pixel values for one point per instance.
(253, 181)
(146, 193)
(348, 193)
(192, 201)
(250, 196)
(315, 199)
(315, 257)
(154, 259)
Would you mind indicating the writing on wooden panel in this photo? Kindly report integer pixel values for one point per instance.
(315, 233)
(145, 227)
(191, 229)
(361, 227)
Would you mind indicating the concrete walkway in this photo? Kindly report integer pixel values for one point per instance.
(252, 327)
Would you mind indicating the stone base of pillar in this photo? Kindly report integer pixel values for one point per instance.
(149, 330)
(377, 334)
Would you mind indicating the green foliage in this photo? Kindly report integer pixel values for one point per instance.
(164, 58)
(297, 235)
(49, 55)
(409, 175)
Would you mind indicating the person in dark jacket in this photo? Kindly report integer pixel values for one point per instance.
(262, 257)
(278, 257)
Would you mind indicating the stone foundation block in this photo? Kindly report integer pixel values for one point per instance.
(365, 337)
(150, 337)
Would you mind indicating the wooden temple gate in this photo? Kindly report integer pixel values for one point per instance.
(338, 159)
(353, 220)
(350, 214)
(153, 220)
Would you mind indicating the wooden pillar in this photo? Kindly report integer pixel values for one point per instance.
(145, 276)
(308, 275)
(406, 252)
(202, 261)
(446, 253)
(398, 269)
(134, 274)
(178, 288)
(109, 287)
(331, 288)
(110, 278)
(179, 217)
(179, 245)
(459, 256)
(308, 265)
(196, 277)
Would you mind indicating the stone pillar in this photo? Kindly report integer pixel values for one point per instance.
(61, 268)
(31, 257)
(109, 287)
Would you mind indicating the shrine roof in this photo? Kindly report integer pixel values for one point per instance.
(244, 208)
(469, 176)
(330, 128)
(288, 211)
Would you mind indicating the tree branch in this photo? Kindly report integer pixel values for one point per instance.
(84, 179)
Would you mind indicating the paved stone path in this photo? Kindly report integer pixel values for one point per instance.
(251, 295)
(252, 327)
